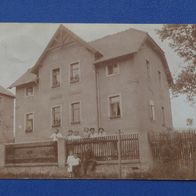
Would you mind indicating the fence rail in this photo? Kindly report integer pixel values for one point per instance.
(106, 148)
(181, 144)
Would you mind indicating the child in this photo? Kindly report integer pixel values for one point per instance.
(70, 163)
(76, 166)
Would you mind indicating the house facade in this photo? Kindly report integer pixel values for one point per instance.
(6, 116)
(120, 81)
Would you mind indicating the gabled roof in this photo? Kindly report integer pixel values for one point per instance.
(124, 43)
(106, 48)
(4, 91)
(119, 44)
(62, 30)
(26, 78)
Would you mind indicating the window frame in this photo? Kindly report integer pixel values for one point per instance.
(51, 78)
(25, 122)
(148, 68)
(71, 72)
(26, 91)
(163, 119)
(159, 78)
(71, 113)
(113, 74)
(58, 125)
(120, 105)
(152, 110)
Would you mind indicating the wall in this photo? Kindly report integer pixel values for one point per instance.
(7, 111)
(46, 97)
(124, 84)
(150, 89)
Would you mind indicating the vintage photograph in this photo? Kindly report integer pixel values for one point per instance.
(97, 101)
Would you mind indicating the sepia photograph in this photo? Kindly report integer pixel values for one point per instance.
(97, 101)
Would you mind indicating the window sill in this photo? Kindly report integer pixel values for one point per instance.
(75, 123)
(55, 86)
(74, 82)
(115, 117)
(56, 125)
(28, 131)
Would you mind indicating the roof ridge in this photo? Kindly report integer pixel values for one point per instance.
(116, 33)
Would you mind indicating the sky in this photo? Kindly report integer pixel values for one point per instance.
(21, 45)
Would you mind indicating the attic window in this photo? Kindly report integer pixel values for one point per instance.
(112, 69)
(55, 78)
(29, 91)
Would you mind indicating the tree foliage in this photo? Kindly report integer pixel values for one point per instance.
(182, 38)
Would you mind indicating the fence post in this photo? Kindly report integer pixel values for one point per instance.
(145, 152)
(119, 155)
(61, 152)
(2, 155)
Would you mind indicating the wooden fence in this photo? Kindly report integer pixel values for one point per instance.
(180, 147)
(106, 148)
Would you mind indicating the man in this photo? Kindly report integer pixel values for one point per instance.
(56, 135)
(88, 159)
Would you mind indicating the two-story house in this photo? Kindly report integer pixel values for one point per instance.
(120, 81)
(6, 115)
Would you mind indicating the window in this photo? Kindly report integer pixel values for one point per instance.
(112, 69)
(163, 115)
(56, 116)
(74, 73)
(55, 77)
(159, 78)
(115, 110)
(29, 91)
(1, 120)
(148, 69)
(75, 113)
(29, 122)
(152, 110)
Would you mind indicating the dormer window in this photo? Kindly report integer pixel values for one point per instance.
(74, 72)
(112, 69)
(55, 78)
(29, 91)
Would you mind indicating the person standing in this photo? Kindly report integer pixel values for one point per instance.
(56, 135)
(88, 160)
(101, 132)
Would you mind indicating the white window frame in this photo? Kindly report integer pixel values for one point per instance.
(71, 115)
(25, 121)
(78, 82)
(152, 110)
(51, 77)
(109, 109)
(26, 91)
(114, 74)
(159, 77)
(51, 120)
(163, 116)
(148, 68)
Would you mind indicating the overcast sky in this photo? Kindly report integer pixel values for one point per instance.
(22, 44)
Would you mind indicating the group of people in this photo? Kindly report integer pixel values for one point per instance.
(79, 164)
(72, 135)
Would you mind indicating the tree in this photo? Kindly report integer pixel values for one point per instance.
(182, 38)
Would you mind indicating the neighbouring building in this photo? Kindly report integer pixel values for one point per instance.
(6, 116)
(120, 81)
